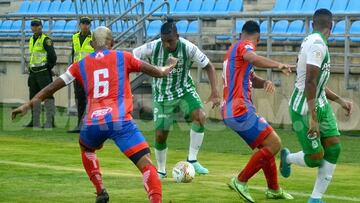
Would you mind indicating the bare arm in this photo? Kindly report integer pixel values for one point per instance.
(263, 62)
(214, 96)
(342, 102)
(39, 97)
(160, 71)
(312, 73)
(258, 82)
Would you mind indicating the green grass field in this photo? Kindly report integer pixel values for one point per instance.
(45, 166)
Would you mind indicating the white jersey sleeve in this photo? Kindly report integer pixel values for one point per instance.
(145, 51)
(195, 54)
(67, 77)
(315, 54)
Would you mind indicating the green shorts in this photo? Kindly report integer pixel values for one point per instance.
(164, 111)
(327, 124)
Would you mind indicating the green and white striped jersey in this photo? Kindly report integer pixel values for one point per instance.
(179, 81)
(313, 51)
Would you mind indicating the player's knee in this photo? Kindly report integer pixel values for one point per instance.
(313, 160)
(332, 153)
(199, 116)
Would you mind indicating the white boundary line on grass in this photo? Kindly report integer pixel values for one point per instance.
(109, 173)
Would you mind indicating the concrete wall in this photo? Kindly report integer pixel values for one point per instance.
(13, 88)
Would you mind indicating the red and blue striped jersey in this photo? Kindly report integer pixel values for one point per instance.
(237, 74)
(105, 78)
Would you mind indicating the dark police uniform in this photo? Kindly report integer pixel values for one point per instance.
(42, 60)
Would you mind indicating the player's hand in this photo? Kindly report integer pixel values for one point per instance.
(269, 87)
(286, 68)
(313, 127)
(214, 98)
(20, 110)
(347, 106)
(171, 63)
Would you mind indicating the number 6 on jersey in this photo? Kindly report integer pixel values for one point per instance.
(101, 88)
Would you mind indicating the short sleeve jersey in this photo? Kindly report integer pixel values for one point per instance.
(313, 51)
(237, 75)
(179, 81)
(105, 77)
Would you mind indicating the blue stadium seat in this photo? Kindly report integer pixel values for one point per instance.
(280, 6)
(239, 24)
(172, 6)
(45, 26)
(194, 6)
(182, 26)
(235, 6)
(263, 29)
(34, 7)
(355, 29)
(118, 7)
(147, 5)
(117, 27)
(339, 28)
(65, 6)
(54, 6)
(15, 29)
(181, 6)
(193, 27)
(207, 7)
(296, 27)
(154, 28)
(5, 27)
(24, 7)
(221, 6)
(70, 28)
(324, 4)
(58, 28)
(294, 6)
(339, 6)
(309, 6)
(353, 6)
(44, 7)
(280, 27)
(28, 31)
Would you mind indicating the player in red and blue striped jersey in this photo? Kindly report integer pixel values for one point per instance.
(240, 115)
(105, 77)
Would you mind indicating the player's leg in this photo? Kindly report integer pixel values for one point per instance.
(273, 143)
(192, 106)
(331, 144)
(91, 139)
(255, 131)
(312, 153)
(132, 143)
(163, 119)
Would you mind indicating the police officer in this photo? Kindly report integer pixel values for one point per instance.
(42, 60)
(81, 48)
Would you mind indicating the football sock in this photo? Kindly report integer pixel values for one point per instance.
(323, 179)
(196, 139)
(270, 172)
(161, 159)
(92, 168)
(296, 158)
(152, 184)
(256, 162)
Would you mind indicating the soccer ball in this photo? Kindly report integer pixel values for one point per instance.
(183, 172)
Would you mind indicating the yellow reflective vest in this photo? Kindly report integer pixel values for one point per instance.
(38, 54)
(80, 51)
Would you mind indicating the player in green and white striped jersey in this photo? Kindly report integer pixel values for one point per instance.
(313, 119)
(177, 90)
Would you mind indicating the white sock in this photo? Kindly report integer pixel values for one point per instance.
(323, 179)
(196, 140)
(296, 158)
(161, 159)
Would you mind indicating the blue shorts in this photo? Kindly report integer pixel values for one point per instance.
(125, 134)
(251, 127)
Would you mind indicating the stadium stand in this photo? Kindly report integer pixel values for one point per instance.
(280, 27)
(355, 29)
(296, 27)
(339, 28)
(182, 26)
